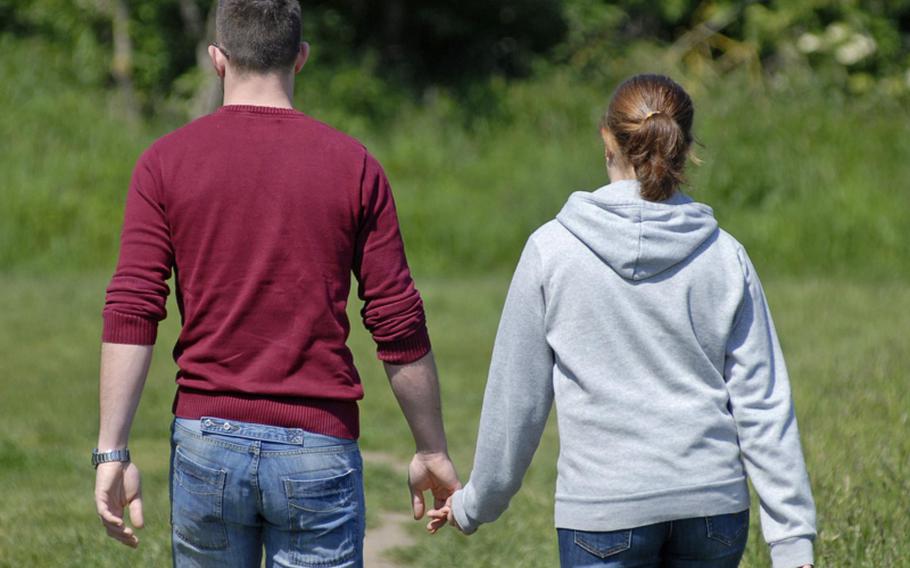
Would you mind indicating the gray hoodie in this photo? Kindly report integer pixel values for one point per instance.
(648, 326)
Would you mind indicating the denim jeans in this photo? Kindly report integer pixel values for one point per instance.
(701, 542)
(238, 487)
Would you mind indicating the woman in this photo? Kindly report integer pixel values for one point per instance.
(648, 326)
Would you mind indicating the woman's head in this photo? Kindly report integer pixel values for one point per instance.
(649, 123)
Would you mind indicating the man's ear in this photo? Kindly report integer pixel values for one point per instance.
(302, 56)
(219, 61)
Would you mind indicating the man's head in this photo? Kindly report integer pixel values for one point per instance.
(259, 36)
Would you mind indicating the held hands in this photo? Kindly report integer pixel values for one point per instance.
(117, 485)
(440, 516)
(433, 471)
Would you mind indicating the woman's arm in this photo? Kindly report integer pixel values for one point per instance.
(516, 403)
(766, 424)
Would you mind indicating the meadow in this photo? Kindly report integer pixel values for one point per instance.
(813, 182)
(845, 345)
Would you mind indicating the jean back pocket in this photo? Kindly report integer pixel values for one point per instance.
(324, 518)
(197, 502)
(728, 528)
(604, 544)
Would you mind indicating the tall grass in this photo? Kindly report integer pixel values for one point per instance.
(812, 182)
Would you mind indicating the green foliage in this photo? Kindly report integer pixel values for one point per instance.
(855, 46)
(811, 181)
(65, 162)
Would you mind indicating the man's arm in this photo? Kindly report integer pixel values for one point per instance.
(416, 387)
(123, 372)
(393, 313)
(134, 304)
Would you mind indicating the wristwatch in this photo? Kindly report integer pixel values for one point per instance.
(110, 456)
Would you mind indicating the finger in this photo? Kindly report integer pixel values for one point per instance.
(108, 516)
(417, 504)
(122, 530)
(127, 539)
(136, 518)
(436, 524)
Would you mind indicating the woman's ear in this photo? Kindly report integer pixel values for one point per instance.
(610, 143)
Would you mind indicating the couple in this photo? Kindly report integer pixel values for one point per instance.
(632, 310)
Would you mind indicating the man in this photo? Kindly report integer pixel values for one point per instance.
(262, 213)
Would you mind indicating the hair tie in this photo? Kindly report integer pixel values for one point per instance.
(652, 113)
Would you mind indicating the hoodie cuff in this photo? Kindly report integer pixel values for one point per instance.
(129, 329)
(464, 523)
(406, 350)
(792, 552)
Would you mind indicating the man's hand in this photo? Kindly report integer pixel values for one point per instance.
(117, 485)
(433, 471)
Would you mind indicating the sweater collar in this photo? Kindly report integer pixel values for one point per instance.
(259, 109)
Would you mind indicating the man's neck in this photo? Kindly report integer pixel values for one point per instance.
(260, 90)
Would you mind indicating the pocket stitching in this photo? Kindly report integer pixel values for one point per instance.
(217, 484)
(344, 486)
(615, 549)
(722, 538)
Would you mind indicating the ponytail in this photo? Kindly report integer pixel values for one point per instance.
(651, 118)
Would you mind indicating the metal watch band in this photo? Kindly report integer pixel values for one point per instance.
(111, 456)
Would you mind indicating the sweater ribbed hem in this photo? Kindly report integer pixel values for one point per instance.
(592, 513)
(407, 350)
(792, 552)
(259, 109)
(129, 329)
(339, 418)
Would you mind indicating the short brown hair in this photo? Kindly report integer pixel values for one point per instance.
(259, 36)
(651, 118)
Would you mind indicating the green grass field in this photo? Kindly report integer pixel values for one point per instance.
(845, 343)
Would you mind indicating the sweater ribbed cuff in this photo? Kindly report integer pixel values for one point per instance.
(406, 350)
(129, 329)
(461, 517)
(792, 553)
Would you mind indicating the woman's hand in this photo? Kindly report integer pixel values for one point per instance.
(442, 516)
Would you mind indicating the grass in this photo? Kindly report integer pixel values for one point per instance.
(845, 344)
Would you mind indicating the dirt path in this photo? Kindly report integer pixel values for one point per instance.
(391, 531)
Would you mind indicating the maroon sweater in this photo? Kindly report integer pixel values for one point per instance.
(263, 214)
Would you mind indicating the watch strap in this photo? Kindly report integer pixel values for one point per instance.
(110, 456)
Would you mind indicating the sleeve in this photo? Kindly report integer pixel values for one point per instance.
(393, 310)
(137, 293)
(517, 401)
(766, 424)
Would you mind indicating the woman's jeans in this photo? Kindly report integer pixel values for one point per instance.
(237, 487)
(701, 542)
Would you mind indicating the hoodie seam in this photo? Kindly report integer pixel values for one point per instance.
(640, 233)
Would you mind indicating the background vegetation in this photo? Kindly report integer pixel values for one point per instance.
(484, 114)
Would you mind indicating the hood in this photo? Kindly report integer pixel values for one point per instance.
(637, 238)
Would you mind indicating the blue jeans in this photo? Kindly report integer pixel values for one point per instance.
(238, 487)
(702, 542)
